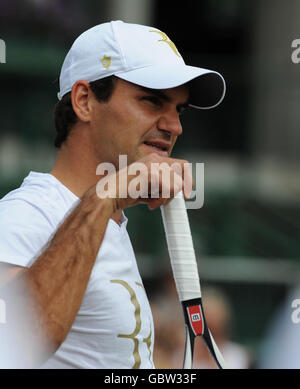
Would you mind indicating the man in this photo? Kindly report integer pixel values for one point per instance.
(63, 237)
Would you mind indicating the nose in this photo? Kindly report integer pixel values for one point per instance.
(170, 122)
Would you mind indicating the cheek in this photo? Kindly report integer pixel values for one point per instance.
(121, 128)
(130, 124)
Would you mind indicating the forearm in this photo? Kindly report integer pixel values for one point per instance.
(55, 284)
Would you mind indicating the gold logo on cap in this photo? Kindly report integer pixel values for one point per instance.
(168, 41)
(106, 61)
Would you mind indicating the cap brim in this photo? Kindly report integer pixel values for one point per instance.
(207, 87)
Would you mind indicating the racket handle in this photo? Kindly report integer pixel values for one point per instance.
(181, 249)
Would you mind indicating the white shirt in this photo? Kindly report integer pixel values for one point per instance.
(114, 326)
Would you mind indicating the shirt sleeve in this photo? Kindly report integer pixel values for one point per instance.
(24, 232)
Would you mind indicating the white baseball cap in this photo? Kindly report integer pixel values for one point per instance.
(141, 55)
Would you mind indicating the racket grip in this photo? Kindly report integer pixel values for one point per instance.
(181, 248)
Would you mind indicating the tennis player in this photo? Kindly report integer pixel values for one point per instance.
(63, 238)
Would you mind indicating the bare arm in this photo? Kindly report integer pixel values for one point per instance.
(49, 293)
(60, 276)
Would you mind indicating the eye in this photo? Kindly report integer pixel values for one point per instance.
(181, 109)
(153, 100)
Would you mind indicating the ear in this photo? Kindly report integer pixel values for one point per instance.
(80, 96)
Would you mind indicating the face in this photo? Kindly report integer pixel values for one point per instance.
(136, 122)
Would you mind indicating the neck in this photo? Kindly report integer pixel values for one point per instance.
(75, 168)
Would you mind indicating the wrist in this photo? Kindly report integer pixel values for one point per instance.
(111, 204)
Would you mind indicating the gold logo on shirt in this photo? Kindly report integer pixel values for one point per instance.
(138, 324)
(168, 41)
(106, 61)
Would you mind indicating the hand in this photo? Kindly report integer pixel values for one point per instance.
(153, 180)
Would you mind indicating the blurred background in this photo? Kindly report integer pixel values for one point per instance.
(247, 233)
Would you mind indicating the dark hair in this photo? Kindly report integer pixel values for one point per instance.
(64, 115)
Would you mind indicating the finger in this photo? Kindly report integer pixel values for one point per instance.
(188, 181)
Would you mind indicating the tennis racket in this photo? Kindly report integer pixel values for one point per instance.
(186, 276)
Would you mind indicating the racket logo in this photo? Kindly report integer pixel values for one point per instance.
(196, 319)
